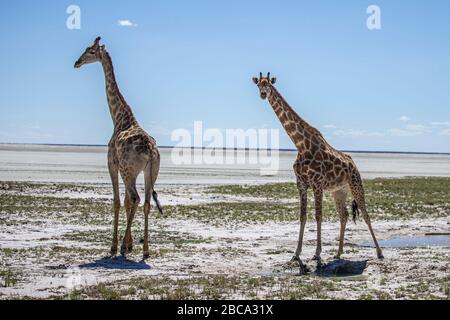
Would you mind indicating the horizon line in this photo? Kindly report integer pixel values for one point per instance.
(224, 148)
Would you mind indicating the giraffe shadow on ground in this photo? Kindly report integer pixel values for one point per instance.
(341, 268)
(118, 262)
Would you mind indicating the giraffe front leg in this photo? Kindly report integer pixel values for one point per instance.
(303, 218)
(318, 195)
(303, 205)
(126, 245)
(340, 197)
(113, 171)
(343, 219)
(134, 200)
(298, 251)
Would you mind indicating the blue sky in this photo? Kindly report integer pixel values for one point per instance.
(182, 61)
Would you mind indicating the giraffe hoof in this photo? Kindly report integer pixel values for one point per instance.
(146, 255)
(296, 261)
(317, 258)
(337, 257)
(302, 270)
(380, 256)
(124, 250)
(113, 250)
(293, 263)
(130, 248)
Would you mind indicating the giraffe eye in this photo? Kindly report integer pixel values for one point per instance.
(92, 51)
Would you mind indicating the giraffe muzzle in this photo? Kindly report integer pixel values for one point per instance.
(77, 64)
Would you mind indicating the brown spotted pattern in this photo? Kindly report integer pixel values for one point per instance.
(130, 151)
(318, 167)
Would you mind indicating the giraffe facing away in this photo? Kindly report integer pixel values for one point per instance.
(130, 151)
(320, 167)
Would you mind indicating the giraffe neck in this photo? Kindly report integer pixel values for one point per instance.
(121, 113)
(294, 125)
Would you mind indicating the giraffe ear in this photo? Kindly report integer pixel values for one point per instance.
(273, 80)
(255, 80)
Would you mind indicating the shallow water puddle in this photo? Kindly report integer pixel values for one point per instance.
(413, 241)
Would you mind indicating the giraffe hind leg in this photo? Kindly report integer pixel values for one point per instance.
(127, 204)
(150, 174)
(358, 194)
(130, 185)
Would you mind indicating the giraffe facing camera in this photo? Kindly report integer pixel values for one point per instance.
(320, 167)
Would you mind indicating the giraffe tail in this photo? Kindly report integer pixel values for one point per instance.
(158, 205)
(355, 210)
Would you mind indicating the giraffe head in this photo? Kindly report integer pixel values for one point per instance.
(265, 85)
(91, 54)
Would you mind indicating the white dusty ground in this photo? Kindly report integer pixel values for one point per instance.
(48, 266)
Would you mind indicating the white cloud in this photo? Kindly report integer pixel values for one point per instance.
(417, 128)
(410, 130)
(404, 119)
(445, 132)
(406, 130)
(357, 133)
(31, 127)
(441, 124)
(403, 133)
(126, 23)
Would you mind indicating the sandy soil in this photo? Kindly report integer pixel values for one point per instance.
(42, 258)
